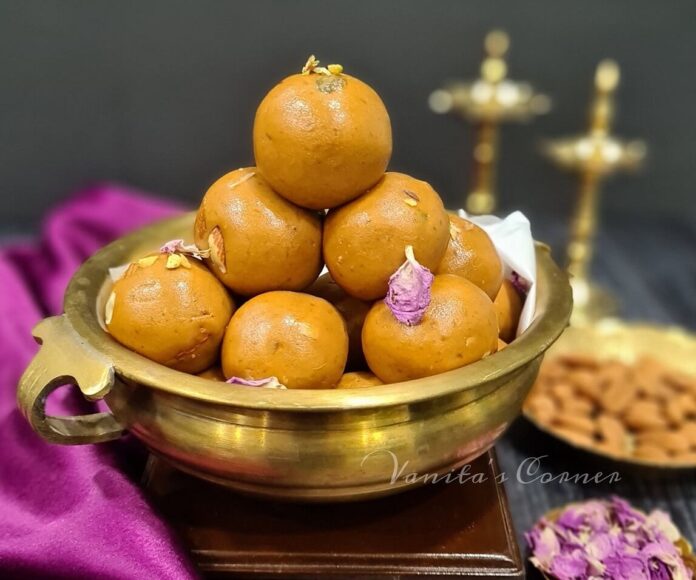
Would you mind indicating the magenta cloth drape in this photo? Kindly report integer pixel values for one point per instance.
(71, 512)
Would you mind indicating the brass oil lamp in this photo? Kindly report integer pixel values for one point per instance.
(594, 156)
(487, 102)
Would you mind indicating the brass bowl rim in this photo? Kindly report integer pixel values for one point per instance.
(554, 305)
(634, 462)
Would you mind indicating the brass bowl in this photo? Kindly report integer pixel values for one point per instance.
(309, 445)
(613, 339)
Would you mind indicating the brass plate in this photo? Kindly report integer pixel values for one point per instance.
(613, 339)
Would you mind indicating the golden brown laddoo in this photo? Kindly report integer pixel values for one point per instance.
(471, 254)
(298, 338)
(508, 307)
(459, 327)
(353, 311)
(258, 241)
(364, 240)
(213, 373)
(358, 380)
(175, 316)
(321, 140)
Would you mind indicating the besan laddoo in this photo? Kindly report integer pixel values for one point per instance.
(257, 240)
(364, 240)
(358, 380)
(428, 325)
(322, 137)
(298, 339)
(353, 311)
(171, 309)
(213, 373)
(471, 254)
(508, 307)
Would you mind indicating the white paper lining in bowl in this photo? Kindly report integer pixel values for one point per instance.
(512, 237)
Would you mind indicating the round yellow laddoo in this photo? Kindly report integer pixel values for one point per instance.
(364, 240)
(297, 338)
(173, 315)
(459, 327)
(508, 307)
(321, 140)
(358, 380)
(258, 241)
(353, 311)
(471, 254)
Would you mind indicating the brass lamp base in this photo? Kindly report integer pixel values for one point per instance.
(591, 303)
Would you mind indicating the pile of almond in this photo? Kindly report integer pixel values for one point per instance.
(643, 411)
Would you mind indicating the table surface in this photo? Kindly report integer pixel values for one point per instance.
(651, 266)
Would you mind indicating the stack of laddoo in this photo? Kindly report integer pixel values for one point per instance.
(410, 291)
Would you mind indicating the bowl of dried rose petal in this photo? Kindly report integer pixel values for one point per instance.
(609, 539)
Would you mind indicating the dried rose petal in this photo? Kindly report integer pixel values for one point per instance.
(626, 516)
(544, 543)
(569, 566)
(179, 247)
(269, 382)
(607, 539)
(661, 521)
(408, 296)
(623, 565)
(520, 284)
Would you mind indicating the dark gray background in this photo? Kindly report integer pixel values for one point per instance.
(161, 94)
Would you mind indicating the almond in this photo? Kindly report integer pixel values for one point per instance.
(671, 441)
(577, 406)
(586, 382)
(581, 439)
(688, 457)
(681, 381)
(688, 431)
(678, 407)
(562, 391)
(648, 375)
(613, 371)
(173, 261)
(617, 395)
(147, 261)
(576, 423)
(578, 360)
(553, 369)
(644, 415)
(216, 245)
(650, 452)
(109, 308)
(613, 433)
(542, 408)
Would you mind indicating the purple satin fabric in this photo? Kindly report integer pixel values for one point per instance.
(71, 512)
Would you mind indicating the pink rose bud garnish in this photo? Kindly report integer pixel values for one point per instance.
(408, 296)
(269, 382)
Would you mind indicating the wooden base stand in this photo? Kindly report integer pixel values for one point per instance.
(446, 529)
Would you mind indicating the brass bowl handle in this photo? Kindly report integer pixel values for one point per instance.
(65, 359)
